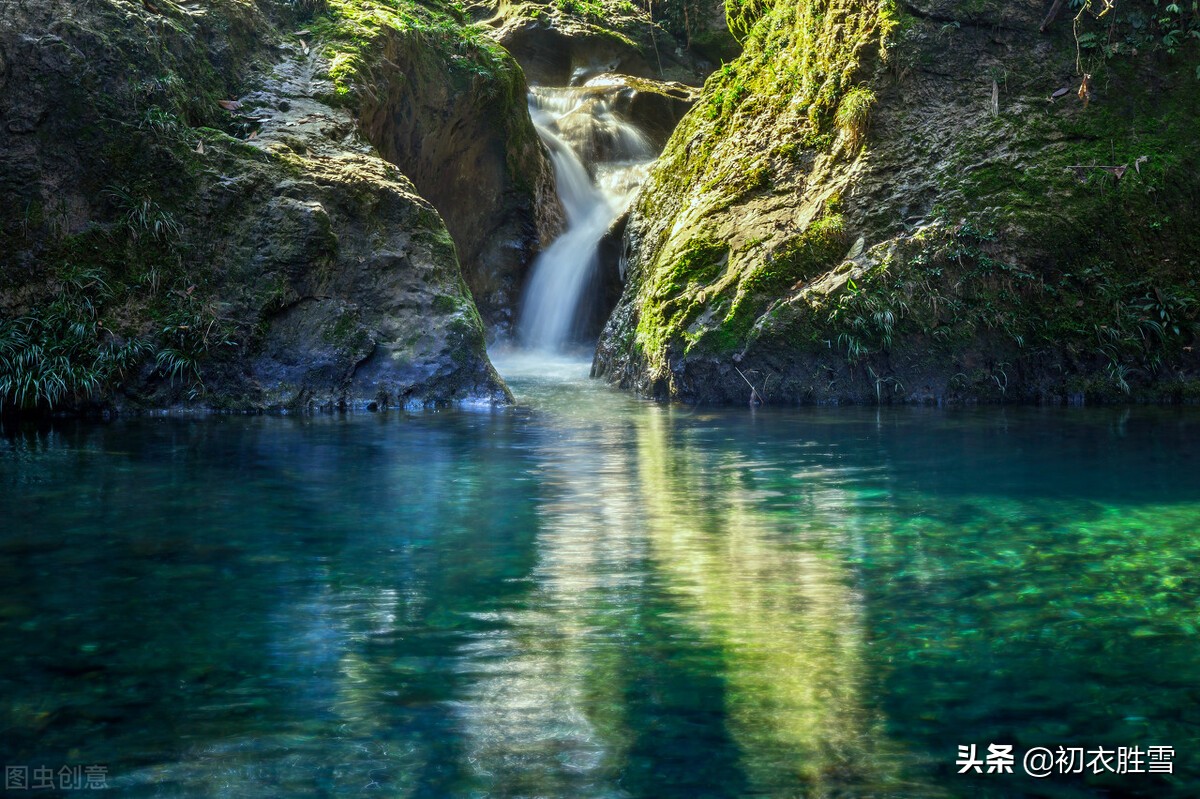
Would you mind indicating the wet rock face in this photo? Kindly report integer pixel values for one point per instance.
(552, 56)
(470, 149)
(259, 252)
(654, 107)
(557, 45)
(905, 220)
(359, 262)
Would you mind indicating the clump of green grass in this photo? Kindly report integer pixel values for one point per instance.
(142, 216)
(853, 114)
(62, 351)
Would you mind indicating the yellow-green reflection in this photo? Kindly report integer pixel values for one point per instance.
(782, 608)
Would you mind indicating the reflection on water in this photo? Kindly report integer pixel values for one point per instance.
(592, 596)
(786, 616)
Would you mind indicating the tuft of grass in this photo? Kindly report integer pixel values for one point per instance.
(853, 114)
(190, 333)
(142, 216)
(62, 352)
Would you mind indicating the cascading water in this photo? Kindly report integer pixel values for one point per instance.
(600, 159)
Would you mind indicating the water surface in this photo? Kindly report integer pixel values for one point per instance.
(592, 596)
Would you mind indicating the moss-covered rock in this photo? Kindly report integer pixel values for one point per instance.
(924, 201)
(191, 216)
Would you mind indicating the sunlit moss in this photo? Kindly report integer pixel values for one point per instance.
(351, 34)
(852, 114)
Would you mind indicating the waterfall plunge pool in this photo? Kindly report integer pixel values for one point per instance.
(593, 596)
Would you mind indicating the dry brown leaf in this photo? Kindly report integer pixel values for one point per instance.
(229, 105)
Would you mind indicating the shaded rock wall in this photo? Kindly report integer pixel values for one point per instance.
(452, 114)
(190, 216)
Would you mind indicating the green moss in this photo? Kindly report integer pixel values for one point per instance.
(852, 114)
(945, 289)
(673, 298)
(799, 63)
(795, 261)
(799, 259)
(352, 31)
(742, 15)
(796, 66)
(701, 261)
(445, 304)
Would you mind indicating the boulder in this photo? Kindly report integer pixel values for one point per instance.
(192, 216)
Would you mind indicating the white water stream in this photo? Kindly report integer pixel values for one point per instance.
(600, 160)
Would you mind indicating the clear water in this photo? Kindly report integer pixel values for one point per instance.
(590, 596)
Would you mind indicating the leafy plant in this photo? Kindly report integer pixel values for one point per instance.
(1119, 374)
(1166, 312)
(162, 124)
(1136, 25)
(190, 333)
(853, 113)
(142, 216)
(62, 351)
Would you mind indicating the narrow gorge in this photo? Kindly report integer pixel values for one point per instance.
(342, 203)
(600, 399)
(600, 160)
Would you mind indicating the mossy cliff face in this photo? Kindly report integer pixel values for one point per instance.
(924, 201)
(191, 216)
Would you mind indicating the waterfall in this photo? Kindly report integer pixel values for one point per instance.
(600, 160)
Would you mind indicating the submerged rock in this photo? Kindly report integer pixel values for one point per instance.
(895, 203)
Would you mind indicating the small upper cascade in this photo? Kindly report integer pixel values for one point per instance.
(600, 160)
